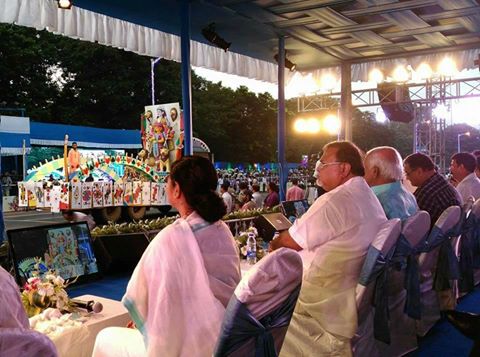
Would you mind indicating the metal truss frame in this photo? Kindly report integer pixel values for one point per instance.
(429, 131)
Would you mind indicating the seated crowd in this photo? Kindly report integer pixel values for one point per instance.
(180, 290)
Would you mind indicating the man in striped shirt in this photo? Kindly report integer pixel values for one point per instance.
(434, 194)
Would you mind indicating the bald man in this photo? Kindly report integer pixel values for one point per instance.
(383, 173)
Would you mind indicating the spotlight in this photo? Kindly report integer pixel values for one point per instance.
(288, 64)
(376, 75)
(65, 4)
(212, 37)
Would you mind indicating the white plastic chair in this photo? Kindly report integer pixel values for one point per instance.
(430, 298)
(363, 343)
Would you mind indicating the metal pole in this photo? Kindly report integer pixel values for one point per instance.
(24, 159)
(152, 79)
(346, 101)
(281, 127)
(458, 142)
(186, 76)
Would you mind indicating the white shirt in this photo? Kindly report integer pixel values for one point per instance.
(469, 186)
(335, 234)
(227, 198)
(257, 198)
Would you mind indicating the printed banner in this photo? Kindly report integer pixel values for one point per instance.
(39, 194)
(118, 191)
(97, 194)
(76, 195)
(55, 194)
(146, 194)
(107, 194)
(64, 195)
(87, 192)
(22, 195)
(137, 193)
(128, 194)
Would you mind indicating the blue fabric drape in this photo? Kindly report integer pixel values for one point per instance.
(447, 264)
(473, 222)
(467, 253)
(405, 258)
(239, 325)
(375, 268)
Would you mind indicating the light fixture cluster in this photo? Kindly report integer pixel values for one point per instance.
(65, 4)
(313, 123)
(402, 74)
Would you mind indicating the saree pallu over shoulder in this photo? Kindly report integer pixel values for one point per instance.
(169, 297)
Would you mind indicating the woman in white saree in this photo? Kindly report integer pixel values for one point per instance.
(179, 290)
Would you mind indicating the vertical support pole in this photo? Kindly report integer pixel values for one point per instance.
(186, 77)
(346, 101)
(152, 79)
(24, 159)
(281, 126)
(65, 157)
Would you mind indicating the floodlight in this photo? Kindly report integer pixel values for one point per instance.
(65, 4)
(313, 126)
(212, 37)
(331, 124)
(424, 71)
(400, 74)
(376, 75)
(300, 125)
(447, 67)
(328, 81)
(288, 64)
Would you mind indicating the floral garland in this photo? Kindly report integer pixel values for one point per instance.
(43, 291)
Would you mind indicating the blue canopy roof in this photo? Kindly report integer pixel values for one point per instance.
(88, 137)
(12, 143)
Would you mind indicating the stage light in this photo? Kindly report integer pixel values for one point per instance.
(65, 4)
(331, 124)
(300, 125)
(376, 75)
(313, 126)
(447, 67)
(212, 37)
(288, 64)
(424, 71)
(328, 82)
(400, 74)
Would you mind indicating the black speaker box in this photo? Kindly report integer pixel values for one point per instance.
(395, 102)
(268, 224)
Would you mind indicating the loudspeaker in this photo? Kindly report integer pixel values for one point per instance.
(268, 224)
(395, 102)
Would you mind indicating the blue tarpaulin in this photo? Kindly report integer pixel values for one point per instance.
(46, 134)
(12, 143)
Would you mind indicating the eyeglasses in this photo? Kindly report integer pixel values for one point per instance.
(321, 165)
(408, 173)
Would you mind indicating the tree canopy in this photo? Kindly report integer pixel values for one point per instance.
(62, 80)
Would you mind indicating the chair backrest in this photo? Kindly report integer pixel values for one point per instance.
(476, 208)
(447, 220)
(384, 241)
(263, 289)
(416, 227)
(25, 342)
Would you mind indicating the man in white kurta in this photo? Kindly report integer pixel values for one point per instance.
(333, 237)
